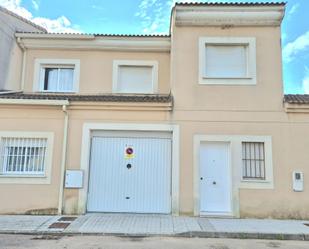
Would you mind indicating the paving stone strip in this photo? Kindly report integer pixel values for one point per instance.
(155, 225)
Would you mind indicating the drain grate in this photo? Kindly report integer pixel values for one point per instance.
(67, 218)
(59, 225)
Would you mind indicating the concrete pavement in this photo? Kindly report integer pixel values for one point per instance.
(156, 225)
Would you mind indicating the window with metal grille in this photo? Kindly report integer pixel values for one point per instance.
(23, 156)
(253, 158)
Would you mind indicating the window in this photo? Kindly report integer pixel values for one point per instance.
(58, 79)
(23, 156)
(225, 60)
(253, 160)
(135, 77)
(56, 75)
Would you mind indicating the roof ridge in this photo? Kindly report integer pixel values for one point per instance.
(95, 34)
(230, 3)
(11, 13)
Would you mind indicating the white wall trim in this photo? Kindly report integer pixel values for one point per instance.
(140, 44)
(39, 63)
(33, 102)
(229, 15)
(236, 166)
(153, 64)
(85, 155)
(250, 42)
(31, 179)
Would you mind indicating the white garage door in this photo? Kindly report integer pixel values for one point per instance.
(130, 172)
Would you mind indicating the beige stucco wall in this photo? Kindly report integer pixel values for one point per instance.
(96, 67)
(265, 95)
(32, 198)
(288, 132)
(289, 147)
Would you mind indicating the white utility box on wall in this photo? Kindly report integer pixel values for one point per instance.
(298, 181)
(73, 179)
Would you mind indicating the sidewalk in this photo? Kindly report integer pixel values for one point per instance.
(155, 225)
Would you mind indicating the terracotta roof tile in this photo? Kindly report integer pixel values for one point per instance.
(230, 3)
(296, 98)
(99, 34)
(150, 98)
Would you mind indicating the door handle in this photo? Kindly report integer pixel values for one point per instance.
(201, 178)
(214, 183)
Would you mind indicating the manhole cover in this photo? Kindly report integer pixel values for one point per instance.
(59, 225)
(67, 218)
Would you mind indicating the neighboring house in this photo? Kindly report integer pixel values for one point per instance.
(10, 53)
(192, 123)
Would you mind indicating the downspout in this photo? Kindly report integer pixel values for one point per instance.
(63, 159)
(23, 71)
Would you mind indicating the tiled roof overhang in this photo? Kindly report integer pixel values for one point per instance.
(229, 14)
(296, 98)
(296, 103)
(136, 98)
(229, 3)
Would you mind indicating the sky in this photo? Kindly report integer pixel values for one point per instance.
(153, 17)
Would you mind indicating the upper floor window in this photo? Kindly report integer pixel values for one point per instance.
(135, 76)
(53, 75)
(224, 60)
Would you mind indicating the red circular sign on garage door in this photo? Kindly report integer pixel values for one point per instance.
(129, 150)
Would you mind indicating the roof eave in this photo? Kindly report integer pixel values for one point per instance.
(92, 42)
(229, 15)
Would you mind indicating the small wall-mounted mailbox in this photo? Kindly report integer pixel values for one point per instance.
(73, 179)
(298, 181)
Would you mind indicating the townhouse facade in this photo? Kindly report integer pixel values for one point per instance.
(191, 123)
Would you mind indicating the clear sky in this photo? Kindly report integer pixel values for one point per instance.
(153, 16)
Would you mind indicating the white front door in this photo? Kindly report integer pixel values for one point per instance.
(130, 173)
(215, 179)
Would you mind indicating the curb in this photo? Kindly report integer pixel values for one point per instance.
(229, 235)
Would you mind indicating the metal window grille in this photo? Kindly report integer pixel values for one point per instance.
(253, 158)
(23, 155)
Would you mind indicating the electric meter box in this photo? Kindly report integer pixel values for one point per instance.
(298, 181)
(73, 179)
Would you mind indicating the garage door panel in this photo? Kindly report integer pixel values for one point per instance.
(144, 188)
(103, 173)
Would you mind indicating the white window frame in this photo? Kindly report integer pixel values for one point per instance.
(30, 178)
(249, 42)
(255, 161)
(267, 161)
(40, 64)
(153, 64)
